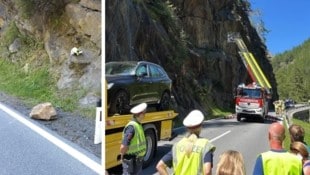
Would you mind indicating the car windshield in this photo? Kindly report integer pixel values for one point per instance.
(115, 68)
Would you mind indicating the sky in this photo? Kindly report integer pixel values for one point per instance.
(288, 23)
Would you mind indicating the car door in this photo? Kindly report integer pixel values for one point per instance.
(157, 83)
(143, 82)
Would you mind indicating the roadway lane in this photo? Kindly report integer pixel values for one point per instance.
(24, 151)
(248, 137)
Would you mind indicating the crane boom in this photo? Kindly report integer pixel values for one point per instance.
(250, 63)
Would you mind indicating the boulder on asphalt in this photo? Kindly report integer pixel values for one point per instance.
(43, 111)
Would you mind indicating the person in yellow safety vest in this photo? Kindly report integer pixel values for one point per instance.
(133, 147)
(277, 106)
(277, 161)
(191, 155)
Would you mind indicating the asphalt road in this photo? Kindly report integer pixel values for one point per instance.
(248, 137)
(27, 148)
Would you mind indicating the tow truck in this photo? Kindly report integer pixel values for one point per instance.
(252, 100)
(157, 125)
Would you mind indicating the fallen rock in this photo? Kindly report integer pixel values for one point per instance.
(43, 111)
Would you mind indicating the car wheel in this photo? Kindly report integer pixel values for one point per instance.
(120, 103)
(150, 147)
(164, 102)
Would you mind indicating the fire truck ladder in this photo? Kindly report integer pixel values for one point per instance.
(249, 61)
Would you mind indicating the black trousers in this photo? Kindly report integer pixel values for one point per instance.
(132, 166)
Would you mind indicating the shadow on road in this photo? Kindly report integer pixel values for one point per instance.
(161, 151)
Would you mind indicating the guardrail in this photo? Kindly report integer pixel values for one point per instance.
(301, 107)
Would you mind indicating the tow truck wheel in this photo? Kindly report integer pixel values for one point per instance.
(150, 147)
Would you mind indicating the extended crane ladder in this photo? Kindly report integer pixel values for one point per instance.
(250, 63)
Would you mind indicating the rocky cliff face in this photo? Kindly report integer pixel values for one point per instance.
(78, 24)
(189, 39)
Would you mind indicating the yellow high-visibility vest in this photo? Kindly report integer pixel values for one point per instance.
(275, 163)
(138, 143)
(192, 164)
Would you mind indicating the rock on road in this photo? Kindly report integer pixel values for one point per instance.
(27, 148)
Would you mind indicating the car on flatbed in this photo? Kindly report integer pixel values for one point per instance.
(134, 82)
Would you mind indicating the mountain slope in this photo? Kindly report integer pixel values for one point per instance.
(292, 70)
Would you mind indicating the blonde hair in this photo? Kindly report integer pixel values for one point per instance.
(299, 148)
(191, 139)
(231, 163)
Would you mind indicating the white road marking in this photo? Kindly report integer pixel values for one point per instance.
(212, 140)
(65, 147)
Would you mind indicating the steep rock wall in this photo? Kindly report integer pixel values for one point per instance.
(78, 24)
(189, 39)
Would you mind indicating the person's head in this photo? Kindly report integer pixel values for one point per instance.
(300, 150)
(297, 133)
(276, 132)
(193, 121)
(139, 111)
(231, 163)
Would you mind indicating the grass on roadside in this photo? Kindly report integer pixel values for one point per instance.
(37, 86)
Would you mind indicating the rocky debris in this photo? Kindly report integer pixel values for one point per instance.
(76, 51)
(43, 111)
(1, 22)
(15, 46)
(90, 100)
(230, 116)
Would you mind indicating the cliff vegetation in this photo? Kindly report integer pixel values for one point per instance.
(36, 37)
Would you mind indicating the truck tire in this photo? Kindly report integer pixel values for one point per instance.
(263, 117)
(238, 117)
(151, 145)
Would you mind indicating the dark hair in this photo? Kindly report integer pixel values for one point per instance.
(297, 133)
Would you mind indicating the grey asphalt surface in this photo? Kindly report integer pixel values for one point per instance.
(23, 151)
(248, 137)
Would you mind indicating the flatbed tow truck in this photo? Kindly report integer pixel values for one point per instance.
(157, 125)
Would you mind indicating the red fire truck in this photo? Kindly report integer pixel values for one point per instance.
(251, 101)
